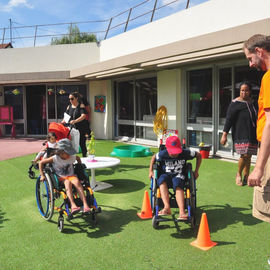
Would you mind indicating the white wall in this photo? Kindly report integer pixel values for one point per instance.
(208, 17)
(101, 123)
(168, 82)
(48, 58)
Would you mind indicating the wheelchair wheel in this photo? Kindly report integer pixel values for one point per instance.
(193, 197)
(45, 197)
(94, 217)
(31, 174)
(155, 222)
(60, 224)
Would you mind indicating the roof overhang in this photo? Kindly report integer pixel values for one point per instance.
(35, 77)
(221, 44)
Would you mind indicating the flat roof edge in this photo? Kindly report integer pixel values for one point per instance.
(219, 39)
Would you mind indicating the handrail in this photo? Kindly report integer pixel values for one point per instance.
(42, 27)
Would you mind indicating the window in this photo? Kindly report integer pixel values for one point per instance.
(200, 96)
(62, 92)
(126, 100)
(14, 97)
(136, 104)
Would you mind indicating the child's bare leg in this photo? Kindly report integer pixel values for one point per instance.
(79, 188)
(179, 195)
(68, 187)
(165, 198)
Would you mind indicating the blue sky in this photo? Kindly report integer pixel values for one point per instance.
(39, 12)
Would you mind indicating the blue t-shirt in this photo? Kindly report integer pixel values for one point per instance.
(174, 166)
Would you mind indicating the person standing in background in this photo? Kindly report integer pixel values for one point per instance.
(241, 117)
(77, 112)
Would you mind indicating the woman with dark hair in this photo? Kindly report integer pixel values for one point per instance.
(242, 117)
(77, 112)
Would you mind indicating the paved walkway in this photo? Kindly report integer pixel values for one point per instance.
(11, 148)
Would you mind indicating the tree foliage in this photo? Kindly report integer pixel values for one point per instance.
(74, 36)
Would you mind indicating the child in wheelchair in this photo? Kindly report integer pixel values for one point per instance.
(62, 163)
(48, 147)
(172, 162)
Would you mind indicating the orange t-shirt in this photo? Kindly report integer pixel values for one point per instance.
(263, 103)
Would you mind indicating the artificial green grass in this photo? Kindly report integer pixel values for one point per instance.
(121, 240)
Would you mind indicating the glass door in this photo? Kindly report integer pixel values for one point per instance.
(36, 109)
(225, 95)
(199, 107)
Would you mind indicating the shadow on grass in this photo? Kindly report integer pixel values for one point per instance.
(109, 222)
(119, 169)
(181, 233)
(221, 216)
(218, 216)
(2, 219)
(123, 186)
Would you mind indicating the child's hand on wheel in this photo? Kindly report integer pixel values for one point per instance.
(196, 175)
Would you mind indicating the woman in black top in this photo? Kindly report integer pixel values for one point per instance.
(77, 112)
(242, 117)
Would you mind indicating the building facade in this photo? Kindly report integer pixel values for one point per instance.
(191, 62)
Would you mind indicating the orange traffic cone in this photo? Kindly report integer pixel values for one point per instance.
(203, 240)
(146, 207)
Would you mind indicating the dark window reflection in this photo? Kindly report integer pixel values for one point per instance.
(126, 100)
(51, 102)
(225, 90)
(146, 99)
(200, 96)
(244, 73)
(14, 97)
(62, 93)
(126, 130)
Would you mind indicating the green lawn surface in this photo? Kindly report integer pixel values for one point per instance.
(121, 240)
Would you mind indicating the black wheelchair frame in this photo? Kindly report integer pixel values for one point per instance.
(31, 173)
(50, 189)
(190, 198)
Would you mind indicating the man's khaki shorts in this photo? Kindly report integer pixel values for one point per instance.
(261, 196)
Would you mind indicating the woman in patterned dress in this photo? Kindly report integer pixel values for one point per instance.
(242, 117)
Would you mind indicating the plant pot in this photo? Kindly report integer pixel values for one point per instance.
(205, 150)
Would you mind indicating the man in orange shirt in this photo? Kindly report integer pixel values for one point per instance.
(257, 51)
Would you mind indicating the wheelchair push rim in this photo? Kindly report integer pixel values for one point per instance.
(45, 197)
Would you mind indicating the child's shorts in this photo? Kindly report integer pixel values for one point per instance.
(70, 178)
(172, 181)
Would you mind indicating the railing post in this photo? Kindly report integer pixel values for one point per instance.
(108, 28)
(187, 4)
(128, 19)
(70, 33)
(35, 36)
(3, 38)
(10, 30)
(153, 12)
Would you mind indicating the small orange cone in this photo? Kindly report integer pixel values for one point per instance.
(146, 207)
(203, 240)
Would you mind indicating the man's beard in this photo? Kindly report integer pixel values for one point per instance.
(259, 64)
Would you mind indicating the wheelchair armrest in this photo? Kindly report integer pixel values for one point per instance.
(48, 168)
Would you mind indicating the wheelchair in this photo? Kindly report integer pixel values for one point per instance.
(51, 189)
(189, 193)
(31, 173)
(61, 131)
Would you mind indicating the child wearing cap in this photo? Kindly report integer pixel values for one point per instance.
(172, 162)
(62, 163)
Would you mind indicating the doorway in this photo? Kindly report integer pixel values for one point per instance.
(36, 109)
